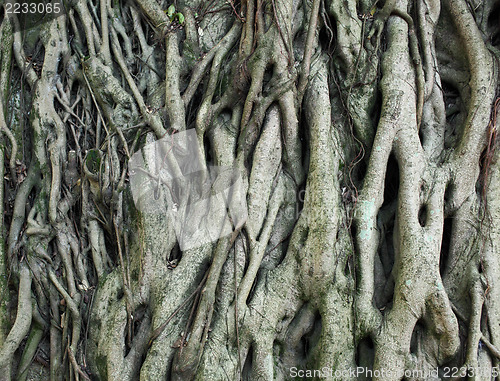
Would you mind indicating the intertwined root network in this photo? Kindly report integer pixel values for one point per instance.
(226, 190)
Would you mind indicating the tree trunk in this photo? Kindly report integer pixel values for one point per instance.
(256, 190)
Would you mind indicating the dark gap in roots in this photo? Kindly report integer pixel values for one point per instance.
(354, 232)
(421, 136)
(301, 193)
(422, 215)
(418, 330)
(454, 114)
(483, 163)
(121, 42)
(289, 348)
(365, 353)
(266, 80)
(304, 139)
(139, 314)
(278, 351)
(246, 372)
(327, 38)
(376, 109)
(32, 197)
(494, 25)
(73, 93)
(448, 197)
(208, 150)
(348, 265)
(35, 56)
(360, 170)
(191, 109)
(384, 281)
(175, 257)
(110, 243)
(383, 39)
(275, 253)
(252, 290)
(309, 341)
(120, 294)
(448, 193)
(246, 251)
(391, 185)
(445, 244)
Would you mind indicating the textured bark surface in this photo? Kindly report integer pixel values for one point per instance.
(363, 138)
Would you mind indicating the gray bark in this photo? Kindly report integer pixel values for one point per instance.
(249, 190)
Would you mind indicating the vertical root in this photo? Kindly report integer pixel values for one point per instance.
(21, 325)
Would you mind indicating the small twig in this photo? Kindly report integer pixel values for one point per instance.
(235, 12)
(417, 62)
(285, 42)
(494, 351)
(13, 154)
(125, 286)
(93, 98)
(306, 63)
(76, 366)
(188, 323)
(158, 331)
